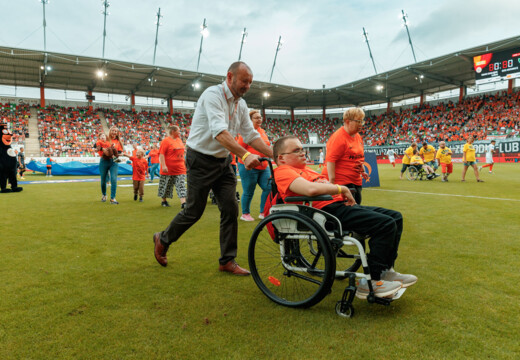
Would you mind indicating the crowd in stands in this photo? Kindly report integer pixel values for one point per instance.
(71, 131)
(18, 118)
(67, 131)
(183, 121)
(302, 128)
(479, 116)
(141, 128)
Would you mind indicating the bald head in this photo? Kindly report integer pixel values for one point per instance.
(239, 79)
(233, 68)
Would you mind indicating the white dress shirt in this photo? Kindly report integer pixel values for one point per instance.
(216, 111)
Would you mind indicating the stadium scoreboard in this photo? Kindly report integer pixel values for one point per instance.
(496, 66)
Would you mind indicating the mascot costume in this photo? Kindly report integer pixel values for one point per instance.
(7, 162)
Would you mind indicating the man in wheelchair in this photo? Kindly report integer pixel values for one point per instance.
(419, 164)
(384, 226)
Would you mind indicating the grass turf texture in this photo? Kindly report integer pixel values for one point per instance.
(79, 280)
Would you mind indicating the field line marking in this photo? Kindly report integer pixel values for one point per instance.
(455, 195)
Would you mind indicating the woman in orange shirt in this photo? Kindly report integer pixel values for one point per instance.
(346, 154)
(259, 175)
(109, 162)
(173, 168)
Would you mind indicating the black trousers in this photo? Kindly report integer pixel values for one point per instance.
(205, 173)
(384, 226)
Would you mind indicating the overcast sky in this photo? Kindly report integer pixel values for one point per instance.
(322, 40)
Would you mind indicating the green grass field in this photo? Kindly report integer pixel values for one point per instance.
(79, 280)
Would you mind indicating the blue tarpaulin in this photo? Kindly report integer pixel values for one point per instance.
(76, 168)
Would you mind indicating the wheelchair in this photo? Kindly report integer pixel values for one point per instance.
(415, 172)
(296, 252)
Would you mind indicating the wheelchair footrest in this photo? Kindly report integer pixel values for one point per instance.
(398, 294)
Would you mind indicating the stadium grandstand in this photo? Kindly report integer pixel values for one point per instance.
(396, 102)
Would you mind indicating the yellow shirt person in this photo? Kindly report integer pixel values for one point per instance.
(408, 155)
(416, 160)
(468, 159)
(406, 158)
(469, 151)
(444, 155)
(427, 153)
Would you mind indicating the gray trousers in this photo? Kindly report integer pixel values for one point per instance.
(205, 172)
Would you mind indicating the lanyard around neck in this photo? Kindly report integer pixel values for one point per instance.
(231, 114)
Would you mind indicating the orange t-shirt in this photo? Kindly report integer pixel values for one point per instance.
(284, 175)
(154, 156)
(173, 151)
(103, 144)
(139, 168)
(117, 144)
(249, 148)
(348, 154)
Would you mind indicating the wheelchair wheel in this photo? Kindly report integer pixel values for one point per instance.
(412, 173)
(283, 262)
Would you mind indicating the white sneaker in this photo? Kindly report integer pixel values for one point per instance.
(382, 288)
(261, 216)
(480, 168)
(405, 279)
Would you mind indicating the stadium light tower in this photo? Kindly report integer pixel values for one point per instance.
(105, 12)
(405, 20)
(44, 2)
(159, 16)
(203, 33)
(365, 34)
(244, 36)
(278, 46)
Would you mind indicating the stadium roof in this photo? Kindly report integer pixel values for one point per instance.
(22, 67)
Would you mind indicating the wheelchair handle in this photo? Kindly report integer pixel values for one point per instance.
(269, 161)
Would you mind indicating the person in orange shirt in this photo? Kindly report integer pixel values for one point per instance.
(109, 162)
(173, 169)
(384, 226)
(258, 175)
(345, 153)
(139, 168)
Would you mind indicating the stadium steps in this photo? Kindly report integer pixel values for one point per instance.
(32, 143)
(103, 122)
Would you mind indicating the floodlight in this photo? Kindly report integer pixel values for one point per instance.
(49, 68)
(196, 85)
(204, 29)
(266, 94)
(379, 87)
